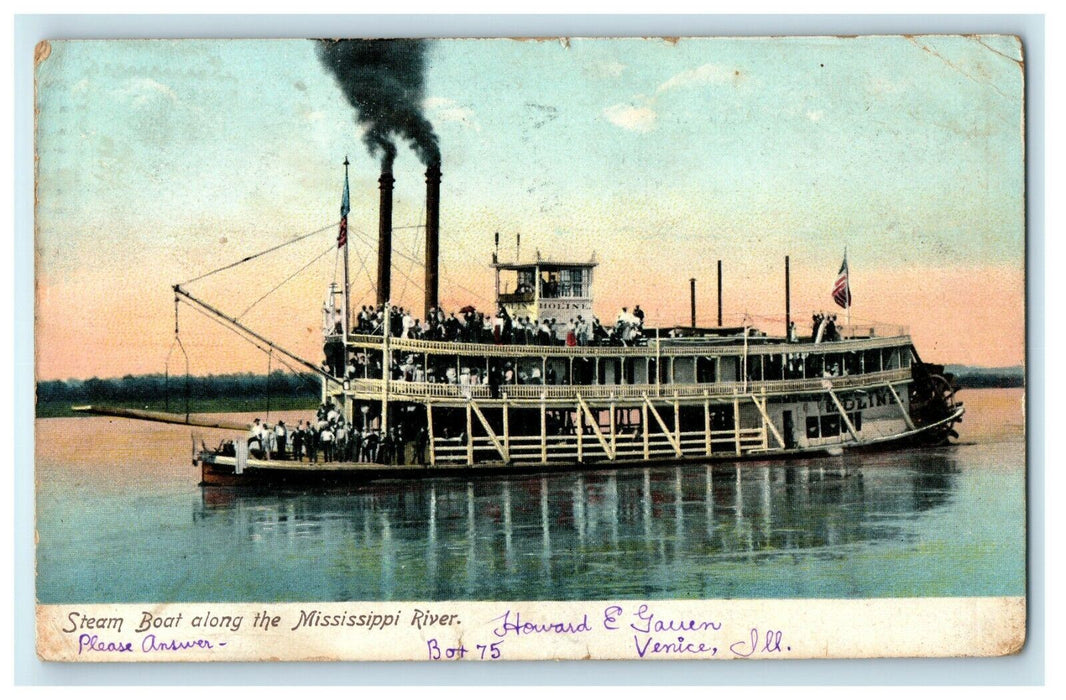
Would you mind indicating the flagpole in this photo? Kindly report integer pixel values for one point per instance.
(347, 285)
(847, 310)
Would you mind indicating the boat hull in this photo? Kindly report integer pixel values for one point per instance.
(220, 470)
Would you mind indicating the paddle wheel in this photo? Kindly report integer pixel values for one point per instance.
(933, 401)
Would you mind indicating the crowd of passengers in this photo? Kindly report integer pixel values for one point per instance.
(328, 437)
(469, 325)
(828, 325)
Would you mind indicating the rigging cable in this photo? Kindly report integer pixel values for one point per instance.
(444, 268)
(414, 251)
(270, 357)
(259, 254)
(166, 377)
(369, 241)
(286, 280)
(303, 375)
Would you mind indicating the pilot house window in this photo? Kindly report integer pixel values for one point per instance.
(572, 283)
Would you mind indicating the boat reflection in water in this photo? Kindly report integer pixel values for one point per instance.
(685, 531)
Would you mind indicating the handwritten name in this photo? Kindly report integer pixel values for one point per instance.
(647, 621)
(511, 623)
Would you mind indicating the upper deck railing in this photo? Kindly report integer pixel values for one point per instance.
(400, 390)
(664, 347)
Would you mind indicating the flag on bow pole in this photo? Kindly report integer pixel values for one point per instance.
(842, 288)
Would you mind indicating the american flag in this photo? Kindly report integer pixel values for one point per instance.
(842, 289)
(342, 237)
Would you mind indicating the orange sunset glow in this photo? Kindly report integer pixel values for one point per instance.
(162, 161)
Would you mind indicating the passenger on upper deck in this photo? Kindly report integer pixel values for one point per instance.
(472, 326)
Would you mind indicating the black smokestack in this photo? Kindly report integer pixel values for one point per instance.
(384, 80)
(385, 236)
(432, 234)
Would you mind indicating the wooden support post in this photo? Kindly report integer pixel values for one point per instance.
(707, 425)
(662, 424)
(543, 431)
(429, 430)
(736, 423)
(677, 423)
(579, 428)
(506, 426)
(614, 431)
(906, 416)
(469, 437)
(644, 425)
(844, 415)
(767, 423)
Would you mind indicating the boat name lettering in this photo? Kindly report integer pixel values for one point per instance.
(859, 401)
(563, 306)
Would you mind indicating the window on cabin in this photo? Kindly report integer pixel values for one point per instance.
(830, 425)
(549, 284)
(871, 361)
(852, 363)
(793, 366)
(890, 358)
(772, 367)
(704, 370)
(573, 283)
(814, 365)
(755, 368)
(525, 282)
(812, 427)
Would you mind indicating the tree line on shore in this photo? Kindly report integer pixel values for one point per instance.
(153, 387)
(157, 387)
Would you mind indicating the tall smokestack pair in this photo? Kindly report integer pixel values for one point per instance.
(385, 183)
(384, 81)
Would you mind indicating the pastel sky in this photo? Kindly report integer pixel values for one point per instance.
(160, 160)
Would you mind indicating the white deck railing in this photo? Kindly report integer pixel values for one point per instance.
(654, 348)
(402, 390)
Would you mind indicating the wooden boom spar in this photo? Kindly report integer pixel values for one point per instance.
(162, 417)
(237, 324)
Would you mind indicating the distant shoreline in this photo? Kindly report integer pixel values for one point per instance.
(62, 409)
(248, 393)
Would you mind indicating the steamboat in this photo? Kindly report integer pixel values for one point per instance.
(511, 393)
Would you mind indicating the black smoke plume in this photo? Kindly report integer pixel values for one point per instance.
(384, 80)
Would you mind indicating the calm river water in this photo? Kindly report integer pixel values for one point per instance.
(120, 518)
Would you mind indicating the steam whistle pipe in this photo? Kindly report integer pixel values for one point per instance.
(274, 346)
(432, 236)
(385, 237)
(692, 298)
(719, 293)
(788, 302)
